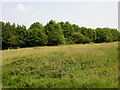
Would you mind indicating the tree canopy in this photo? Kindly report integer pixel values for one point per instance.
(53, 33)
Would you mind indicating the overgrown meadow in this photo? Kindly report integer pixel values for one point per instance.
(65, 66)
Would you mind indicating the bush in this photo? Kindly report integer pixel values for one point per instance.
(79, 38)
(69, 40)
(85, 40)
(109, 39)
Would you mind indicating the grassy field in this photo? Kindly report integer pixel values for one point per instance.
(71, 66)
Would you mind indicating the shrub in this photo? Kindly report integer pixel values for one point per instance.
(79, 38)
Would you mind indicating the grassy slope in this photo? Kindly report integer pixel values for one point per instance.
(72, 66)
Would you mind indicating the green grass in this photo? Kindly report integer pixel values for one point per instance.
(70, 66)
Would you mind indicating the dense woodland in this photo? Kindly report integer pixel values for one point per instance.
(52, 34)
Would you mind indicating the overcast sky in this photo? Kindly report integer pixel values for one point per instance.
(88, 14)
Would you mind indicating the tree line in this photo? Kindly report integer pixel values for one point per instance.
(52, 34)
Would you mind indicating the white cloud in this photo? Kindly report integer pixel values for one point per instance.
(21, 7)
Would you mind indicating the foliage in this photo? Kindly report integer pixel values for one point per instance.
(88, 32)
(36, 37)
(67, 29)
(79, 38)
(36, 25)
(14, 36)
(106, 35)
(76, 28)
(54, 32)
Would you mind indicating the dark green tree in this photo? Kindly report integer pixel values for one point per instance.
(21, 35)
(68, 30)
(88, 32)
(36, 25)
(36, 37)
(9, 36)
(54, 32)
(76, 28)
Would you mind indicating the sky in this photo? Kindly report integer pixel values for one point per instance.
(88, 14)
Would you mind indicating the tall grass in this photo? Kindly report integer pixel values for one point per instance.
(70, 66)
